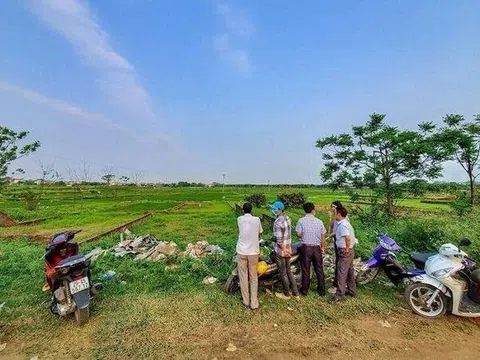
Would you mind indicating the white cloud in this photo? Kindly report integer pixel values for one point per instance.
(75, 21)
(89, 118)
(237, 25)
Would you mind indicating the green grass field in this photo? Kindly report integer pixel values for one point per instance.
(150, 311)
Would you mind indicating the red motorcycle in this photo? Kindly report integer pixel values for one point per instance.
(68, 277)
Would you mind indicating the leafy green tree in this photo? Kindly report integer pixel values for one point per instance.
(461, 141)
(108, 178)
(11, 150)
(376, 155)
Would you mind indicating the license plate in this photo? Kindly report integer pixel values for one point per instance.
(79, 285)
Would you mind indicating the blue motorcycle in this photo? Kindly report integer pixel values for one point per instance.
(384, 258)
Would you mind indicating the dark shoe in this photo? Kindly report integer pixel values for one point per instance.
(351, 294)
(336, 300)
(322, 294)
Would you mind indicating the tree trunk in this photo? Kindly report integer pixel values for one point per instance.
(472, 186)
(389, 199)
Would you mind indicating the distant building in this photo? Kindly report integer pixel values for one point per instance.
(12, 180)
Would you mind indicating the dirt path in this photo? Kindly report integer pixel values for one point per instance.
(202, 327)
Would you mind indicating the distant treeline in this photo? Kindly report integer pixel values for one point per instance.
(418, 186)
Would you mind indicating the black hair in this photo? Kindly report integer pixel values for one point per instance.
(342, 211)
(337, 204)
(247, 208)
(308, 207)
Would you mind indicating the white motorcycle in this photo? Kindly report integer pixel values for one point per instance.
(451, 283)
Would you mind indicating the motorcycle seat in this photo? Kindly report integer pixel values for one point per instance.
(421, 258)
(75, 259)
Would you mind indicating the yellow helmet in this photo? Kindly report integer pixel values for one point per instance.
(262, 268)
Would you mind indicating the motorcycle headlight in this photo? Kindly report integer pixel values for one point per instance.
(385, 245)
(442, 273)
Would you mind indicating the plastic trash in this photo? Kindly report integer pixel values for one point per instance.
(109, 275)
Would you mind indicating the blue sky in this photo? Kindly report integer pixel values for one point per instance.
(188, 90)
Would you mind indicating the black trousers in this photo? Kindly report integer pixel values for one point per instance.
(312, 255)
(286, 276)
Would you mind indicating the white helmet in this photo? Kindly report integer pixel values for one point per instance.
(448, 250)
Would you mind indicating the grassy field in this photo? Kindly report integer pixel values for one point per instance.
(149, 311)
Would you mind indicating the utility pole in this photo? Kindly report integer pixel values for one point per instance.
(223, 182)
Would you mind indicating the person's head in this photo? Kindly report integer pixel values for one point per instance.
(309, 208)
(336, 204)
(247, 208)
(277, 208)
(341, 213)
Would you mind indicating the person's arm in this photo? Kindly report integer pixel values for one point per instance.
(299, 229)
(348, 243)
(260, 229)
(324, 240)
(281, 238)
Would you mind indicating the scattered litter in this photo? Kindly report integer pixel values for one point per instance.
(3, 346)
(289, 308)
(2, 305)
(34, 358)
(109, 275)
(95, 253)
(231, 348)
(269, 292)
(385, 324)
(202, 248)
(171, 267)
(275, 325)
(149, 248)
(209, 280)
(332, 290)
(123, 283)
(386, 283)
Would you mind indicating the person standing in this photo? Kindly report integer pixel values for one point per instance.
(248, 250)
(282, 232)
(345, 241)
(332, 228)
(311, 232)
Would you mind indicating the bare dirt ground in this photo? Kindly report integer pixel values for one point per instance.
(202, 327)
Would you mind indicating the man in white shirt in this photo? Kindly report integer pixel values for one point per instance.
(345, 241)
(248, 250)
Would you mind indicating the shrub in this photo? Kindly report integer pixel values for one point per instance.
(461, 204)
(257, 199)
(292, 200)
(31, 200)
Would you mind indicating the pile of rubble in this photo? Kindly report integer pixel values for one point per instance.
(149, 248)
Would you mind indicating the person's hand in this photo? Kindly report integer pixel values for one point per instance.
(323, 251)
(346, 252)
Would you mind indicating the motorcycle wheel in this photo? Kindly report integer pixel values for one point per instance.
(82, 315)
(231, 285)
(417, 295)
(366, 276)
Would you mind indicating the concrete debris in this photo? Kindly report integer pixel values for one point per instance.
(231, 348)
(95, 253)
(209, 280)
(202, 248)
(149, 248)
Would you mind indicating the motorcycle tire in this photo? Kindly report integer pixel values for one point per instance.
(232, 285)
(82, 315)
(366, 276)
(415, 300)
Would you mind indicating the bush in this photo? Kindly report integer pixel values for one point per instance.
(31, 200)
(257, 199)
(292, 200)
(461, 204)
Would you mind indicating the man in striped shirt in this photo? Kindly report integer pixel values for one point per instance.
(312, 233)
(282, 232)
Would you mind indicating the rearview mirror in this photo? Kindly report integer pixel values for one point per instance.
(465, 242)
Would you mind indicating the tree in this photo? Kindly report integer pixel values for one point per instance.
(461, 141)
(125, 179)
(108, 174)
(137, 178)
(376, 155)
(10, 150)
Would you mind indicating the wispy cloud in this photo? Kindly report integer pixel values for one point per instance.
(237, 25)
(89, 118)
(117, 77)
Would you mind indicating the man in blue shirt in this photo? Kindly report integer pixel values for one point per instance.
(311, 232)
